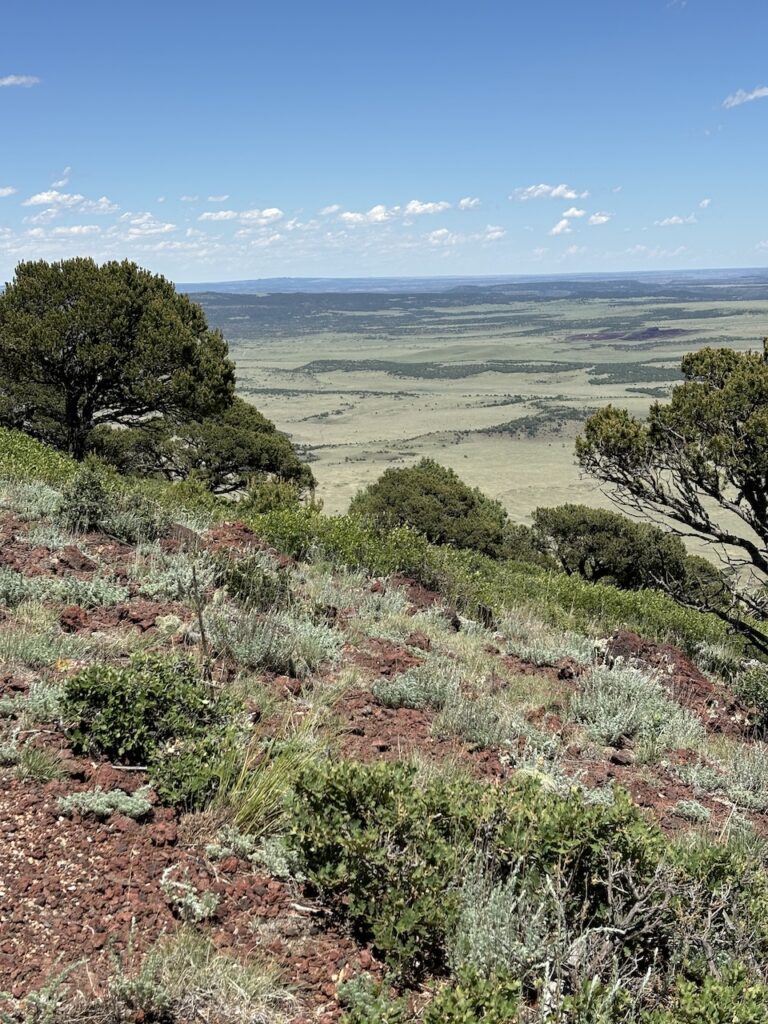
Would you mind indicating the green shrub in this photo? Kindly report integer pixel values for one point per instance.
(23, 458)
(93, 500)
(255, 581)
(473, 999)
(752, 687)
(389, 855)
(732, 998)
(384, 854)
(366, 1001)
(156, 713)
(432, 499)
(85, 499)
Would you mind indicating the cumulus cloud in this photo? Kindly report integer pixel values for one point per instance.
(24, 81)
(415, 208)
(327, 211)
(54, 198)
(736, 99)
(380, 213)
(7, 190)
(261, 217)
(468, 203)
(599, 218)
(547, 192)
(219, 215)
(574, 211)
(675, 220)
(189, 199)
(100, 205)
(563, 227)
(77, 230)
(493, 232)
(704, 203)
(218, 199)
(142, 224)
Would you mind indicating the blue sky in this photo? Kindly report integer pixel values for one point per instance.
(240, 139)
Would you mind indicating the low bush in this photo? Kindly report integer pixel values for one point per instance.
(278, 641)
(154, 712)
(366, 1001)
(733, 997)
(94, 500)
(256, 582)
(98, 803)
(432, 684)
(388, 854)
(473, 999)
(626, 703)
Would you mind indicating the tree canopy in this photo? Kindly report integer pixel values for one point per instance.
(87, 348)
(83, 344)
(434, 500)
(699, 466)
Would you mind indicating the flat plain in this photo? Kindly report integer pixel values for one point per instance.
(492, 384)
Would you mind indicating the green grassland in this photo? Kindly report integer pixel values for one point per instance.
(496, 390)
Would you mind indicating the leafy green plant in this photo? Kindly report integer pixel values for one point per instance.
(256, 582)
(731, 998)
(367, 1001)
(153, 712)
(472, 999)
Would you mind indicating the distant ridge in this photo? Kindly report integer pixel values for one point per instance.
(392, 285)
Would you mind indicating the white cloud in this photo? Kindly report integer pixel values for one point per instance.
(574, 250)
(574, 212)
(547, 192)
(64, 179)
(100, 205)
(762, 245)
(53, 198)
(617, 188)
(328, 210)
(704, 203)
(599, 218)
(142, 224)
(7, 190)
(377, 214)
(49, 214)
(493, 233)
(25, 81)
(261, 217)
(189, 199)
(218, 199)
(675, 220)
(442, 236)
(741, 96)
(563, 227)
(468, 203)
(78, 229)
(415, 208)
(219, 215)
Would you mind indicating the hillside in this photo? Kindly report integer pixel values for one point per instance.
(256, 772)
